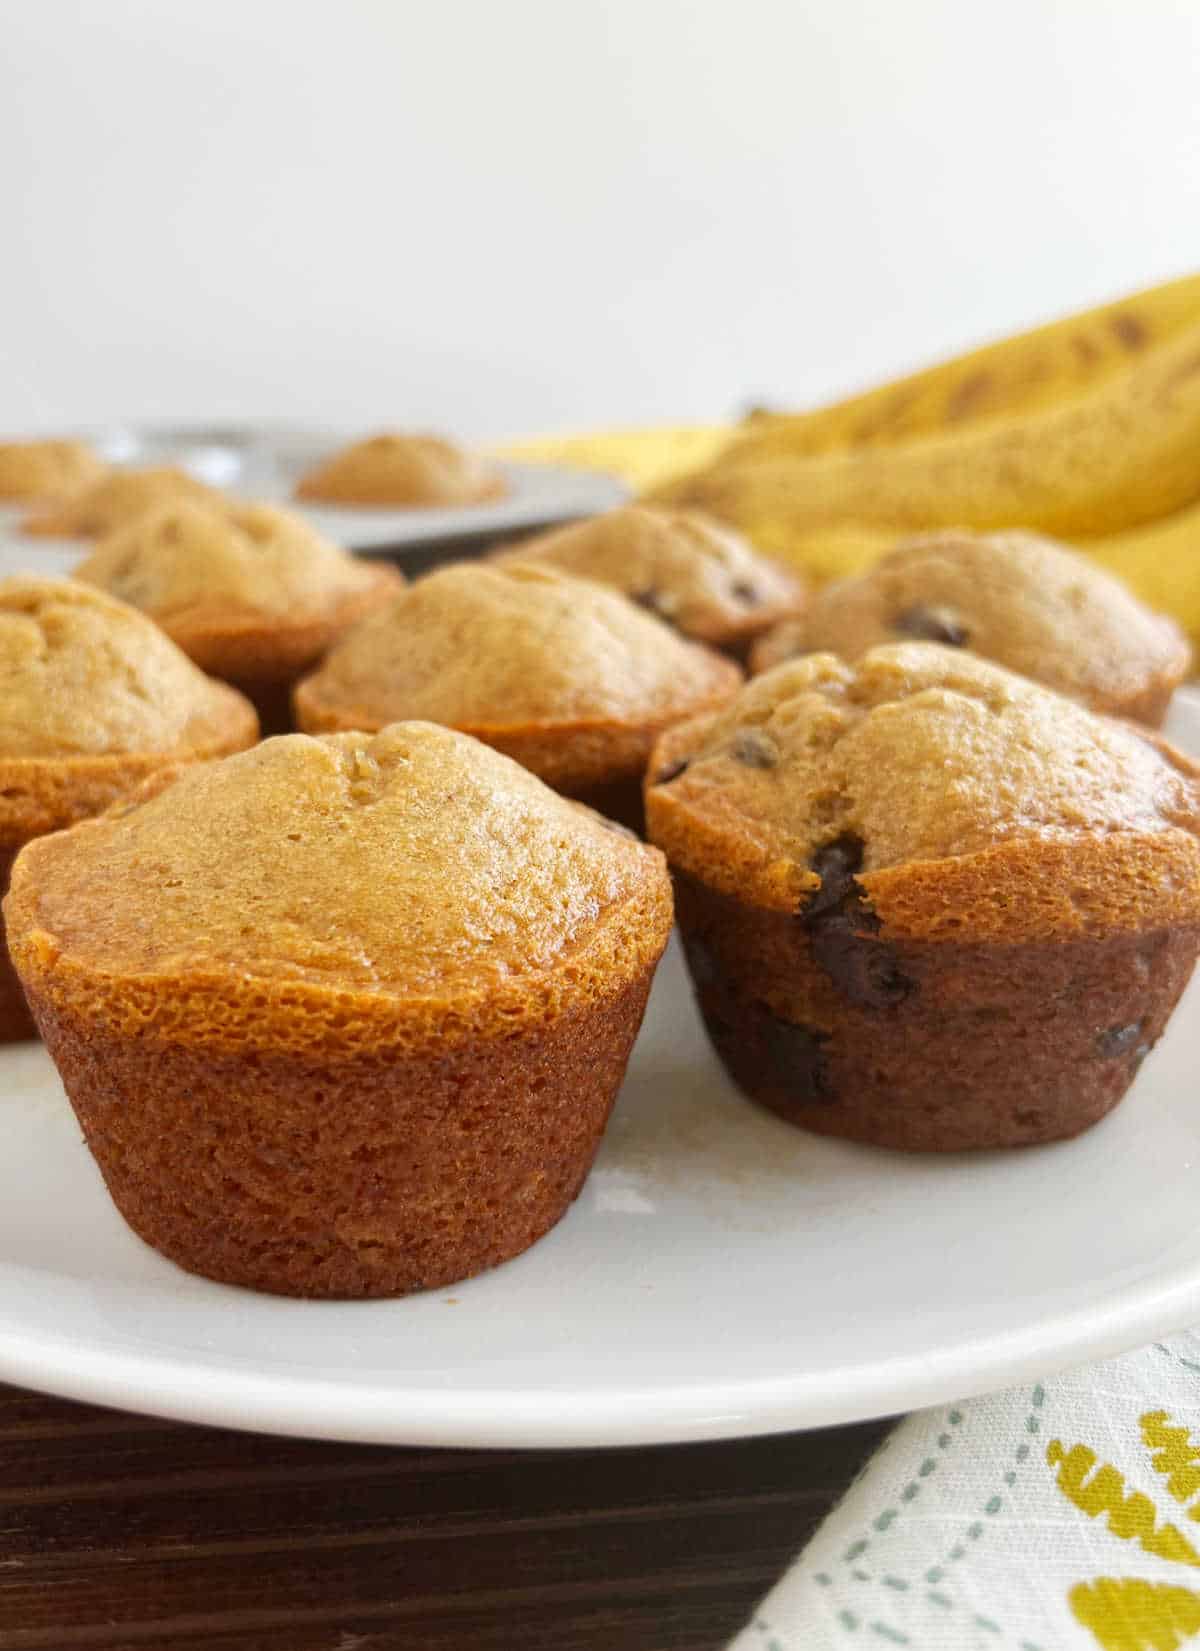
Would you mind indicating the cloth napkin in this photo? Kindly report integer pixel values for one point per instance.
(1060, 1516)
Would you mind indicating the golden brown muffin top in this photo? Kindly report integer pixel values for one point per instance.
(695, 573)
(84, 675)
(189, 561)
(399, 469)
(46, 469)
(477, 645)
(414, 864)
(1026, 602)
(118, 497)
(916, 753)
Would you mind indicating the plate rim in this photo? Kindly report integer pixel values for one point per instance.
(1163, 1299)
(318, 1408)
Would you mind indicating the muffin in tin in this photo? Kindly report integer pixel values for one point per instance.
(117, 497)
(568, 678)
(1023, 601)
(926, 903)
(342, 1016)
(697, 574)
(45, 469)
(93, 699)
(252, 594)
(399, 470)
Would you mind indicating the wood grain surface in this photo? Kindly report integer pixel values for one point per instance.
(122, 1531)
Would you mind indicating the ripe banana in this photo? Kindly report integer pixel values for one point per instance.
(1161, 564)
(640, 458)
(1126, 453)
(1049, 365)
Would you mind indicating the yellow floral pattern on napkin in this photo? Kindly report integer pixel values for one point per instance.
(1128, 1613)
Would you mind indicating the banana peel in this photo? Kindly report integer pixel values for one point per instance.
(1126, 454)
(1087, 428)
(1161, 564)
(1041, 368)
(641, 458)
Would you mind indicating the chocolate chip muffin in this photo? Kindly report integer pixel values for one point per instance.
(568, 678)
(926, 903)
(342, 1016)
(252, 594)
(117, 497)
(397, 471)
(33, 470)
(1031, 605)
(695, 573)
(93, 698)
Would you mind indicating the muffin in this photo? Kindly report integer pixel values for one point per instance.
(31, 470)
(93, 698)
(118, 497)
(252, 594)
(401, 471)
(342, 1016)
(926, 903)
(1029, 604)
(568, 678)
(697, 574)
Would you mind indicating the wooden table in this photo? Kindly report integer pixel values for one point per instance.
(125, 1532)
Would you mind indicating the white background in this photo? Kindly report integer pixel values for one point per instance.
(514, 215)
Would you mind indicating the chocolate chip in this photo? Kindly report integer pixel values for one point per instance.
(745, 592)
(835, 864)
(933, 625)
(754, 748)
(671, 772)
(797, 1055)
(702, 964)
(1118, 1039)
(660, 602)
(757, 1045)
(842, 928)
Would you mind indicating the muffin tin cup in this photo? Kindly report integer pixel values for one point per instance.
(344, 1174)
(932, 1046)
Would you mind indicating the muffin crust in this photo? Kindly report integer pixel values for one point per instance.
(363, 1005)
(33, 470)
(399, 469)
(695, 573)
(93, 698)
(1023, 601)
(568, 678)
(251, 593)
(117, 497)
(926, 903)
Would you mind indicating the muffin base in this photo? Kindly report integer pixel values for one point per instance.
(1150, 707)
(375, 1175)
(16, 1023)
(966, 1045)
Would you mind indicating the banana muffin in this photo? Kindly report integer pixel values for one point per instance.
(93, 698)
(118, 497)
(568, 678)
(400, 471)
(342, 1016)
(33, 470)
(697, 574)
(252, 594)
(1031, 605)
(926, 903)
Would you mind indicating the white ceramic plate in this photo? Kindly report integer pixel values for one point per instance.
(264, 461)
(721, 1274)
